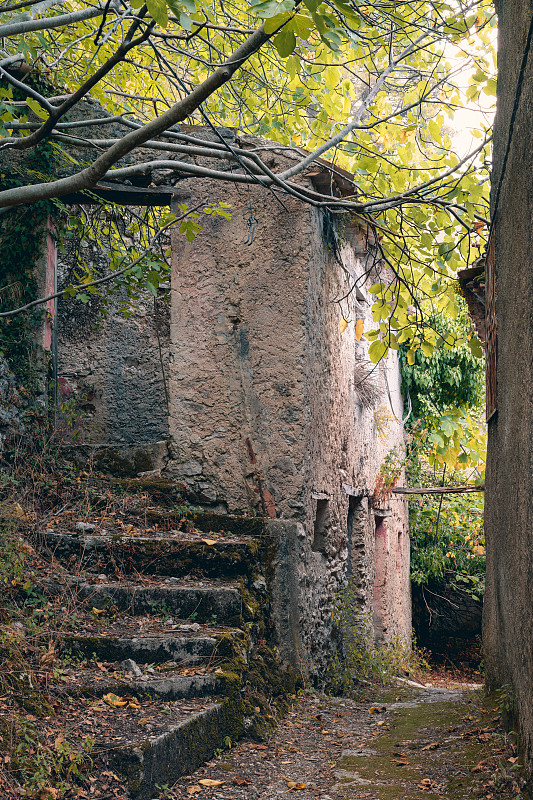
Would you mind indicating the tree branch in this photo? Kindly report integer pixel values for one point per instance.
(27, 26)
(177, 113)
(354, 122)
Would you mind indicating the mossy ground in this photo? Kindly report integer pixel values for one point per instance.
(401, 762)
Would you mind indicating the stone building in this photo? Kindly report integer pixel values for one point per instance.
(253, 391)
(508, 617)
(274, 406)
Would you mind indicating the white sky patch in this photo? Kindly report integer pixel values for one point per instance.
(474, 115)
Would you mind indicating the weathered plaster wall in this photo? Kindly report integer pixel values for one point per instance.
(508, 609)
(111, 366)
(267, 413)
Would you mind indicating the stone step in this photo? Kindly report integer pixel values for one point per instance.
(186, 744)
(161, 554)
(179, 687)
(140, 745)
(166, 681)
(197, 649)
(208, 602)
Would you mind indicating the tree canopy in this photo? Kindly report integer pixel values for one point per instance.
(372, 87)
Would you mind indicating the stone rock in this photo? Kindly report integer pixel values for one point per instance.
(11, 404)
(85, 527)
(191, 468)
(129, 665)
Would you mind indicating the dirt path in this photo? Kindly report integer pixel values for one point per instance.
(411, 744)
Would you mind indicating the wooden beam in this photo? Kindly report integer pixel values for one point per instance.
(124, 195)
(439, 489)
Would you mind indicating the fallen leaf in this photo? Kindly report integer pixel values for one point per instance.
(98, 610)
(144, 721)
(48, 794)
(21, 514)
(210, 782)
(432, 746)
(401, 762)
(114, 700)
(293, 785)
(241, 781)
(512, 760)
(209, 541)
(194, 789)
(48, 658)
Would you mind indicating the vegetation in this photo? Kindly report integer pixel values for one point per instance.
(360, 660)
(447, 447)
(374, 88)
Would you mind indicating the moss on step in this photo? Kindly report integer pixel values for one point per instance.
(399, 764)
(240, 526)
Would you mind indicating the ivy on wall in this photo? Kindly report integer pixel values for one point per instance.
(22, 231)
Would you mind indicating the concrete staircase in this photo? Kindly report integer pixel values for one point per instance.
(164, 628)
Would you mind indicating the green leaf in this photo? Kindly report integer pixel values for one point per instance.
(273, 23)
(285, 42)
(37, 109)
(475, 347)
(158, 11)
(377, 350)
(271, 8)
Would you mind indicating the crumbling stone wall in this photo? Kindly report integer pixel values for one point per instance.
(268, 414)
(11, 405)
(508, 617)
(111, 368)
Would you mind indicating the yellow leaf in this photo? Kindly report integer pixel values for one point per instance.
(210, 782)
(194, 789)
(343, 324)
(359, 328)
(20, 513)
(114, 700)
(293, 785)
(209, 541)
(98, 610)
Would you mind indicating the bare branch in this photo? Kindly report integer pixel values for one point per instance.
(356, 119)
(27, 26)
(178, 113)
